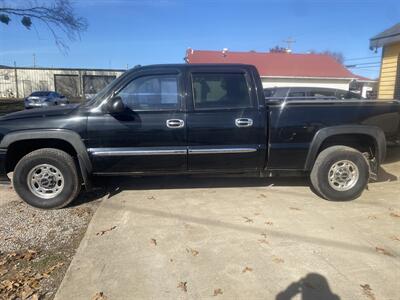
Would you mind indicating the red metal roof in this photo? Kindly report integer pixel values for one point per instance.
(277, 64)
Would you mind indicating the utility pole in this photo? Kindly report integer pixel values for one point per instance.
(34, 60)
(16, 79)
(289, 41)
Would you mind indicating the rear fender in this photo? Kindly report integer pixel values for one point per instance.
(374, 132)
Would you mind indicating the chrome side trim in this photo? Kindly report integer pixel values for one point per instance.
(182, 151)
(222, 150)
(134, 152)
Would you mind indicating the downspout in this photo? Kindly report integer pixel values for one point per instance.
(16, 79)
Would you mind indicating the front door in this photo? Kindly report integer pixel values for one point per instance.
(149, 136)
(225, 126)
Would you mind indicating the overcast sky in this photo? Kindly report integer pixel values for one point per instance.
(131, 32)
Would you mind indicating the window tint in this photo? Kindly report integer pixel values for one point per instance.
(322, 94)
(299, 95)
(269, 92)
(151, 92)
(41, 94)
(220, 91)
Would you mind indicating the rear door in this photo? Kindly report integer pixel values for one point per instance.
(225, 127)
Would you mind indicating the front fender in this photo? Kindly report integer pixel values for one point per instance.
(68, 136)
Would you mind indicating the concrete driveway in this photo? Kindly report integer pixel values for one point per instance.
(202, 238)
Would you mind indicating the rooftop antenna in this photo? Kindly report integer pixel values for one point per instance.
(289, 41)
(34, 60)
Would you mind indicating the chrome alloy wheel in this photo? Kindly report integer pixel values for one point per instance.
(45, 181)
(343, 175)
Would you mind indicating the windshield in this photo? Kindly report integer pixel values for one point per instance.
(102, 93)
(40, 94)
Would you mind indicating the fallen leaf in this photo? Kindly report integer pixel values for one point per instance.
(367, 291)
(309, 285)
(264, 235)
(278, 260)
(99, 296)
(256, 214)
(268, 223)
(383, 251)
(183, 286)
(395, 215)
(218, 292)
(372, 217)
(247, 220)
(264, 241)
(35, 297)
(151, 198)
(27, 292)
(194, 252)
(263, 196)
(294, 208)
(247, 269)
(102, 232)
(154, 241)
(395, 238)
(29, 255)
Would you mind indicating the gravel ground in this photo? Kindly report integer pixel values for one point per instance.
(37, 246)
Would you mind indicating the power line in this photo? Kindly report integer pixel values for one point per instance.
(367, 63)
(367, 67)
(361, 58)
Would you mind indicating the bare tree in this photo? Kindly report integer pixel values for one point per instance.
(278, 49)
(336, 55)
(57, 15)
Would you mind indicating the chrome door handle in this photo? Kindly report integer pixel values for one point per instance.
(244, 122)
(175, 123)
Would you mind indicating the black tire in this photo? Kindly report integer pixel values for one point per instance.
(54, 157)
(321, 170)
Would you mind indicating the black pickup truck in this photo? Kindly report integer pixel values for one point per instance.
(194, 119)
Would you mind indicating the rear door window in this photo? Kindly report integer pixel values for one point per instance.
(322, 94)
(220, 90)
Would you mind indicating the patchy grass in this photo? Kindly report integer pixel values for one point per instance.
(12, 105)
(9, 106)
(37, 246)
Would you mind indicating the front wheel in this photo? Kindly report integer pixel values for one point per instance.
(340, 173)
(46, 178)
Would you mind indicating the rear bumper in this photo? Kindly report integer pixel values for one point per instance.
(34, 105)
(3, 174)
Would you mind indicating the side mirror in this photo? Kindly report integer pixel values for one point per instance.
(115, 105)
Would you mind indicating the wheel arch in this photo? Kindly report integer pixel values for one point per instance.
(69, 137)
(372, 133)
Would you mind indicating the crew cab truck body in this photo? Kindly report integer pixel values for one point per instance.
(194, 119)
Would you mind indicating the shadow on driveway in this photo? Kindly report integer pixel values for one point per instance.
(312, 287)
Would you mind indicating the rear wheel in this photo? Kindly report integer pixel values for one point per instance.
(340, 173)
(46, 178)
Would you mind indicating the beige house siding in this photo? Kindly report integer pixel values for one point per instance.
(389, 71)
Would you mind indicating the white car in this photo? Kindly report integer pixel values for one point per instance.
(45, 99)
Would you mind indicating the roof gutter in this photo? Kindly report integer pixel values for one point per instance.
(309, 77)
